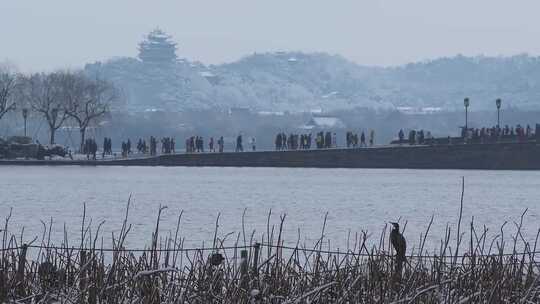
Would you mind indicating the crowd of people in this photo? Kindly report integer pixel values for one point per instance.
(322, 140)
(352, 139)
(292, 142)
(90, 148)
(415, 137)
(354, 142)
(167, 145)
(195, 144)
(325, 140)
(494, 133)
(142, 147)
(107, 147)
(472, 135)
(126, 148)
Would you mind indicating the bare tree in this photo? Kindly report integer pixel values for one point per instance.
(87, 100)
(8, 82)
(44, 94)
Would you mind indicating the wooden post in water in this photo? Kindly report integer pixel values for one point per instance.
(3, 289)
(92, 293)
(244, 269)
(256, 260)
(82, 276)
(20, 270)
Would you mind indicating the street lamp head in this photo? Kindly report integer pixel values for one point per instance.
(498, 103)
(466, 102)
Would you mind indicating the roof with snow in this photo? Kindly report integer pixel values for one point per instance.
(329, 122)
(417, 110)
(207, 74)
(331, 94)
(271, 113)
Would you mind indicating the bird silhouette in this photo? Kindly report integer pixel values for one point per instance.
(398, 242)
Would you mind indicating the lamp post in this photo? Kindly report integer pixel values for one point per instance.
(25, 116)
(466, 104)
(498, 104)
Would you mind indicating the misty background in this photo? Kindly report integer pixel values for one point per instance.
(258, 68)
(38, 35)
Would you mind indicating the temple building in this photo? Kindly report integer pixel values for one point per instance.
(157, 48)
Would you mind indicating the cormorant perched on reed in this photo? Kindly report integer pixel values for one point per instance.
(399, 243)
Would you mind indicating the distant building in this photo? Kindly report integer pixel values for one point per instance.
(331, 95)
(271, 113)
(210, 77)
(157, 48)
(431, 110)
(419, 111)
(239, 112)
(324, 122)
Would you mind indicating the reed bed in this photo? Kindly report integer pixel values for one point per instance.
(466, 268)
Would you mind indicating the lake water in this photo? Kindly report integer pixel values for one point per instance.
(355, 199)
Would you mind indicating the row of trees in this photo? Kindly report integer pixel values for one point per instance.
(58, 97)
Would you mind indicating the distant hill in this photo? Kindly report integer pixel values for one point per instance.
(446, 81)
(292, 81)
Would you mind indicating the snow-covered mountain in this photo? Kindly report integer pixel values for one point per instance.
(292, 81)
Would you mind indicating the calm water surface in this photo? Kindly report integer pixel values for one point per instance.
(355, 199)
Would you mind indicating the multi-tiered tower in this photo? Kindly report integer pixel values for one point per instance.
(157, 48)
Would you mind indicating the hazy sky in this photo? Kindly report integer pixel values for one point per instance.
(49, 34)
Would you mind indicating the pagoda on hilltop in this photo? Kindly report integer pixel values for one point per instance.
(157, 48)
